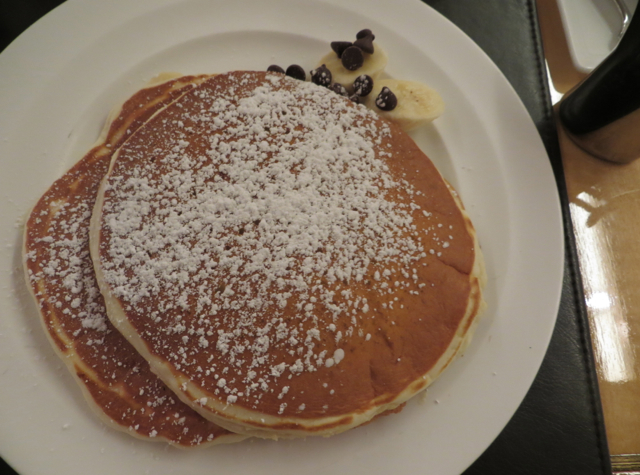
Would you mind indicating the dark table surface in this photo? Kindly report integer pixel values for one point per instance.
(558, 428)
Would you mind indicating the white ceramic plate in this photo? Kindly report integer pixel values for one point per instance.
(59, 80)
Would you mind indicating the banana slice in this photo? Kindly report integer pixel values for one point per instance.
(373, 65)
(418, 104)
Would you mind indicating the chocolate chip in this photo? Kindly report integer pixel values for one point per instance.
(386, 100)
(365, 32)
(355, 98)
(274, 68)
(296, 72)
(321, 76)
(339, 89)
(352, 58)
(340, 46)
(363, 85)
(365, 44)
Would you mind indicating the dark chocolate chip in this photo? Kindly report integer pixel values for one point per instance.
(386, 100)
(365, 44)
(274, 68)
(296, 72)
(355, 98)
(352, 58)
(321, 76)
(365, 32)
(340, 46)
(363, 85)
(339, 89)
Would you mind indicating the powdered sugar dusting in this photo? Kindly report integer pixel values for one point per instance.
(60, 273)
(65, 261)
(237, 229)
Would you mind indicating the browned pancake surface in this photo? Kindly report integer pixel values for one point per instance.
(114, 377)
(285, 259)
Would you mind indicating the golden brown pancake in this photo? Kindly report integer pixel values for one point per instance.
(115, 379)
(289, 263)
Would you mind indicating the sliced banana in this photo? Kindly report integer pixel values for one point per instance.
(418, 104)
(373, 65)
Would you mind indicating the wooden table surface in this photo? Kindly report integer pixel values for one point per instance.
(605, 211)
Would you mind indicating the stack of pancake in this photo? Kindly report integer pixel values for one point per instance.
(247, 254)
